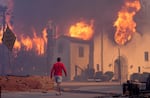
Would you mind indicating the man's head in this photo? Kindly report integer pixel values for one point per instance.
(58, 59)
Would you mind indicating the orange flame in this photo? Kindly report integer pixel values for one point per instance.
(37, 43)
(1, 35)
(17, 45)
(82, 30)
(125, 25)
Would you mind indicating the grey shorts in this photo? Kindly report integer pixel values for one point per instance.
(58, 79)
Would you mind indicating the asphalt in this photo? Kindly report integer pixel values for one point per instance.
(73, 90)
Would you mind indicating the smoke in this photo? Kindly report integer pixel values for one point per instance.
(36, 13)
(4, 2)
(143, 19)
(8, 4)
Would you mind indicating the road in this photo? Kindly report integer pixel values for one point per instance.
(72, 90)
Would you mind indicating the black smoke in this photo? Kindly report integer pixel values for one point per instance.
(36, 13)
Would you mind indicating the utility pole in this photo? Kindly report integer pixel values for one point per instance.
(102, 69)
(119, 64)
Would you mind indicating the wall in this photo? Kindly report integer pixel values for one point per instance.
(133, 52)
(76, 60)
(65, 55)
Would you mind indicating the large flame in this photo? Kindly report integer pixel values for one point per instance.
(28, 43)
(82, 30)
(125, 25)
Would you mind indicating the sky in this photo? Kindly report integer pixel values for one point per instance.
(36, 13)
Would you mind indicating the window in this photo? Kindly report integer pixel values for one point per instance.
(81, 52)
(146, 56)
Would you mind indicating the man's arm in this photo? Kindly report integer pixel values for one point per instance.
(64, 69)
(52, 71)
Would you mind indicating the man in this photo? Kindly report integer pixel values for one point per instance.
(56, 71)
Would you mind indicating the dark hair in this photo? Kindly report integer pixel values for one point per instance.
(58, 59)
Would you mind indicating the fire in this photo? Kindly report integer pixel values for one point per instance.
(17, 45)
(37, 43)
(125, 25)
(1, 35)
(82, 30)
(28, 43)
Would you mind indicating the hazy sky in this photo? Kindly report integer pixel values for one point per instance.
(36, 13)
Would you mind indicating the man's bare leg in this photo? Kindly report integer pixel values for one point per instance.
(59, 88)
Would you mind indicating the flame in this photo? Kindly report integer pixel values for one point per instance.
(125, 25)
(17, 45)
(1, 35)
(27, 43)
(82, 30)
(44, 33)
(37, 43)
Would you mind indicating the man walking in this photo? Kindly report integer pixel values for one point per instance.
(56, 71)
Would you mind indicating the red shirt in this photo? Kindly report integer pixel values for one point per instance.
(57, 69)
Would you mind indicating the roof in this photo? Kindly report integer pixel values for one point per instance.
(73, 39)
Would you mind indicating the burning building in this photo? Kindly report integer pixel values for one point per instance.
(74, 53)
(128, 54)
(81, 49)
(75, 48)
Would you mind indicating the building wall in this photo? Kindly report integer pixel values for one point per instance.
(64, 54)
(82, 62)
(133, 53)
(70, 55)
(110, 53)
(97, 52)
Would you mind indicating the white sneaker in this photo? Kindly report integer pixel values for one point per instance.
(58, 94)
(61, 93)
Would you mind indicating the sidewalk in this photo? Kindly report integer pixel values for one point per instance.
(72, 90)
(93, 87)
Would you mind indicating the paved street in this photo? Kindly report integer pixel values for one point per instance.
(72, 90)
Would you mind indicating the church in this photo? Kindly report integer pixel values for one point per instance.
(103, 55)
